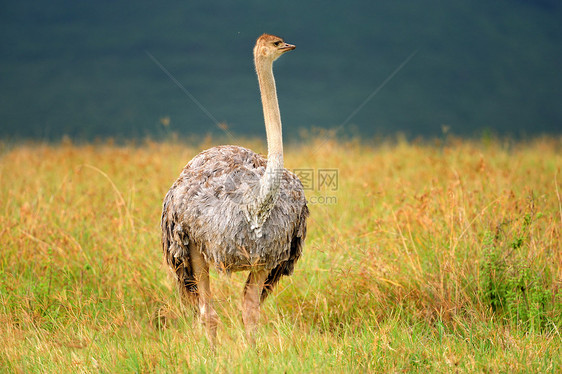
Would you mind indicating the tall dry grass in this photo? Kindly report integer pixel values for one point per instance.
(436, 256)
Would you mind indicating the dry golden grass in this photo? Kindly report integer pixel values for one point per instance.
(443, 256)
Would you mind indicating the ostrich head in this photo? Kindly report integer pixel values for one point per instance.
(270, 47)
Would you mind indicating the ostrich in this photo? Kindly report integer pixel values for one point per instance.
(236, 210)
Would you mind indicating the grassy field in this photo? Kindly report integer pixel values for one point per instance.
(440, 256)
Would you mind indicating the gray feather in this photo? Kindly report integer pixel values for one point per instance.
(210, 205)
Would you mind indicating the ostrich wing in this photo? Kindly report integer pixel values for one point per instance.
(287, 267)
(176, 253)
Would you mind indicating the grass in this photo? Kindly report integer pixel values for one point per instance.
(436, 257)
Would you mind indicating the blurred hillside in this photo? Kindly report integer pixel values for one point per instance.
(82, 68)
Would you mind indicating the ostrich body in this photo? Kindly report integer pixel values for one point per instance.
(235, 210)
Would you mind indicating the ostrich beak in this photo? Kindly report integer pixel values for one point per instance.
(287, 47)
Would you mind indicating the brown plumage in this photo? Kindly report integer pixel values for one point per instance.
(235, 210)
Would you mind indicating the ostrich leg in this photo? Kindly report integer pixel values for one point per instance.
(251, 301)
(209, 317)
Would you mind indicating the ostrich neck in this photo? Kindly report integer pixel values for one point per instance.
(271, 180)
(271, 114)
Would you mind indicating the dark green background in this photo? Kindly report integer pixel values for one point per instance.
(80, 67)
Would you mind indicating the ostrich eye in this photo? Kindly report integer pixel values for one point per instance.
(277, 43)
